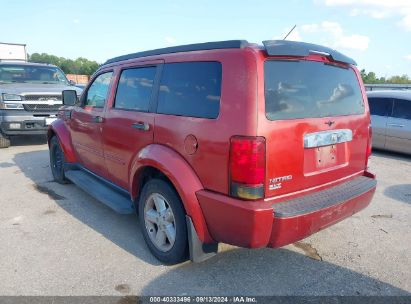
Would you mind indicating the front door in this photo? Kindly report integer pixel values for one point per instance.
(129, 121)
(86, 125)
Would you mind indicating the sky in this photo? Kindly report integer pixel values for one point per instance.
(376, 33)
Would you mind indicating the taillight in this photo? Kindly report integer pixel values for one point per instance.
(247, 167)
(369, 146)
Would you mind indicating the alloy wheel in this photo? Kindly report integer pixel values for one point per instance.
(160, 222)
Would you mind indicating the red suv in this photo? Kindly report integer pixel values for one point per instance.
(255, 146)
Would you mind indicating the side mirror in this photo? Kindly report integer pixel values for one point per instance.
(71, 82)
(69, 97)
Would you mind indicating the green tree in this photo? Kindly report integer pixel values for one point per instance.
(86, 67)
(371, 78)
(404, 79)
(81, 65)
(69, 67)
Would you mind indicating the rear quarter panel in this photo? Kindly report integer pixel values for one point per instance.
(237, 117)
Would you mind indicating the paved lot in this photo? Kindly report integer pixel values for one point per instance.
(57, 240)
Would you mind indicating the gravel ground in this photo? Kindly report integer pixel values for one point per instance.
(56, 240)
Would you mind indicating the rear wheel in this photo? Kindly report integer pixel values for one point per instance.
(57, 160)
(4, 141)
(162, 220)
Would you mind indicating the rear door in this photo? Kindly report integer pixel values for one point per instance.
(316, 124)
(380, 109)
(86, 124)
(129, 121)
(399, 127)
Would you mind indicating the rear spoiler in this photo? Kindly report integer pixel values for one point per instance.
(303, 49)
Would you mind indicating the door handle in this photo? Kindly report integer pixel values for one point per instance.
(98, 119)
(395, 125)
(141, 126)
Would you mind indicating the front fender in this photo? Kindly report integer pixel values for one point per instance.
(59, 128)
(182, 176)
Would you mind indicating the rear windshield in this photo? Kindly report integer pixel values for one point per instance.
(302, 89)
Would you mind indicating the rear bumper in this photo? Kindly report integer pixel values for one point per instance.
(266, 224)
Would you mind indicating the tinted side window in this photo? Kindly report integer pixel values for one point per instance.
(380, 106)
(134, 89)
(190, 89)
(402, 109)
(97, 92)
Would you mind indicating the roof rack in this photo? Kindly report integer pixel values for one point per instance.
(229, 44)
(272, 47)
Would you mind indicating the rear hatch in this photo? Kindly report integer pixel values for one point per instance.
(316, 125)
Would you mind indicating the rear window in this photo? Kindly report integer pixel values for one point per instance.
(402, 109)
(134, 89)
(302, 89)
(190, 89)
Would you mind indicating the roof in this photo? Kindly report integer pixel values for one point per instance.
(403, 94)
(272, 47)
(9, 62)
(229, 44)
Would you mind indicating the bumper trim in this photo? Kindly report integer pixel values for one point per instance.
(254, 224)
(325, 198)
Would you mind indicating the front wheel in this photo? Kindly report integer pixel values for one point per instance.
(57, 160)
(162, 220)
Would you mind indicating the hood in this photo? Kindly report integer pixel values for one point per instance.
(25, 88)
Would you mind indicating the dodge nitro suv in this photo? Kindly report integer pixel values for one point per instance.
(30, 95)
(250, 145)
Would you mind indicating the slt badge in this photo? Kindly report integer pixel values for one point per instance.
(276, 182)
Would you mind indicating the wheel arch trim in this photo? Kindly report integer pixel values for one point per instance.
(180, 174)
(59, 129)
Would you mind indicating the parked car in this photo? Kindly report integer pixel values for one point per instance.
(391, 120)
(254, 146)
(30, 96)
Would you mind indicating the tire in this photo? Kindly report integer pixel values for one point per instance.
(4, 141)
(57, 160)
(159, 226)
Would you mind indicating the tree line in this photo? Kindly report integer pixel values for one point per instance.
(81, 66)
(371, 78)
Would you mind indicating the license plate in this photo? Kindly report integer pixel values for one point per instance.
(316, 160)
(327, 138)
(49, 120)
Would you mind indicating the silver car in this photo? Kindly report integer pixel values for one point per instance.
(391, 120)
(30, 96)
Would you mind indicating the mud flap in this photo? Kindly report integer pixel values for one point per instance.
(199, 251)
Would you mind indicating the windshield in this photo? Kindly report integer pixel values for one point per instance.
(301, 89)
(31, 74)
